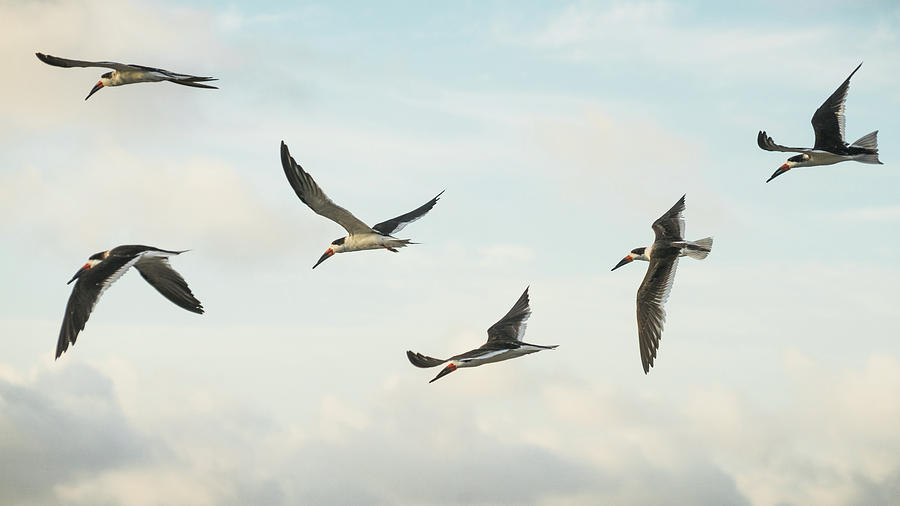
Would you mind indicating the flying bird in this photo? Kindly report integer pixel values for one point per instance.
(361, 236)
(504, 342)
(104, 268)
(127, 73)
(830, 147)
(663, 256)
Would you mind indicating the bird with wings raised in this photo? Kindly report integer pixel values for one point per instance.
(360, 236)
(127, 73)
(504, 342)
(830, 146)
(104, 268)
(663, 256)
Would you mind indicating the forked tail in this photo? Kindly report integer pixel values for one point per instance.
(392, 244)
(867, 148)
(699, 249)
(542, 346)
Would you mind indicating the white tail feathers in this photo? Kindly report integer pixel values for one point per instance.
(873, 158)
(868, 141)
(699, 249)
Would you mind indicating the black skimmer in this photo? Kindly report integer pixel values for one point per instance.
(361, 236)
(127, 73)
(104, 268)
(504, 342)
(830, 147)
(663, 256)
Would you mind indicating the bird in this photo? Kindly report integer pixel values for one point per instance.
(104, 268)
(830, 146)
(663, 256)
(504, 342)
(361, 236)
(127, 73)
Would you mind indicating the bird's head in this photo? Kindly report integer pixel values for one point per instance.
(794, 161)
(636, 254)
(105, 80)
(445, 371)
(95, 259)
(337, 246)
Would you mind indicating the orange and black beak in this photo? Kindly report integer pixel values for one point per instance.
(626, 260)
(781, 170)
(94, 89)
(84, 268)
(324, 257)
(445, 371)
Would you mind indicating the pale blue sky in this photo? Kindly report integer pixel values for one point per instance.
(560, 132)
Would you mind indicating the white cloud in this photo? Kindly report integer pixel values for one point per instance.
(547, 438)
(183, 204)
(60, 427)
(671, 36)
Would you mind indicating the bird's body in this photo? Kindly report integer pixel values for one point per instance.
(123, 73)
(830, 147)
(504, 342)
(370, 240)
(359, 235)
(668, 246)
(104, 268)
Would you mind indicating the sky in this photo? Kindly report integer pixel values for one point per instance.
(560, 131)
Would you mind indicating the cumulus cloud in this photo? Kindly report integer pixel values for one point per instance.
(181, 204)
(61, 427)
(530, 431)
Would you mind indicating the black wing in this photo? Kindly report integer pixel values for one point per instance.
(828, 121)
(512, 326)
(395, 225)
(193, 84)
(174, 75)
(86, 293)
(652, 294)
(424, 361)
(157, 271)
(67, 63)
(313, 196)
(766, 142)
(670, 226)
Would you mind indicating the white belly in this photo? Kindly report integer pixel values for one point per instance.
(826, 158)
(134, 76)
(357, 242)
(499, 355)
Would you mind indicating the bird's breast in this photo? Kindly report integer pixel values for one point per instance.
(357, 242)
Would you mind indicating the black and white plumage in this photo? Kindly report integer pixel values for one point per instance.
(504, 342)
(127, 73)
(663, 255)
(360, 236)
(830, 147)
(104, 268)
